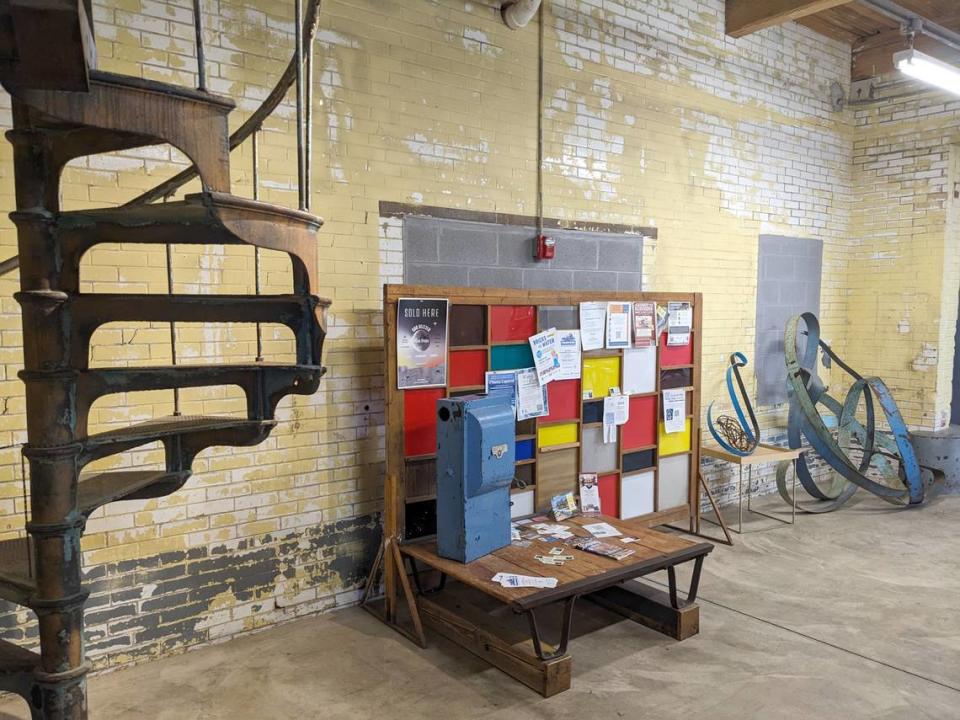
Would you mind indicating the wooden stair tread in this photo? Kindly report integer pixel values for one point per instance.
(16, 659)
(173, 425)
(16, 579)
(102, 77)
(96, 490)
(190, 210)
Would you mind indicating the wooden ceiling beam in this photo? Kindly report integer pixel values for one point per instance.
(873, 56)
(748, 16)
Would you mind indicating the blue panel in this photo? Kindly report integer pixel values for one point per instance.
(511, 357)
(475, 467)
(525, 450)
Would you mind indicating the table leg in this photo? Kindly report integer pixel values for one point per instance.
(694, 585)
(564, 632)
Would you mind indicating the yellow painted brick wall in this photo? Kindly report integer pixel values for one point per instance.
(904, 272)
(653, 117)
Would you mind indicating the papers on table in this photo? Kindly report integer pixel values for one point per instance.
(593, 316)
(568, 348)
(640, 370)
(618, 325)
(602, 530)
(674, 411)
(531, 395)
(509, 580)
(616, 411)
(644, 324)
(679, 320)
(545, 358)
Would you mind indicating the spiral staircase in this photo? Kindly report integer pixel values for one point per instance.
(64, 108)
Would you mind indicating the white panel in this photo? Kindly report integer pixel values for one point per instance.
(639, 370)
(522, 504)
(636, 495)
(674, 481)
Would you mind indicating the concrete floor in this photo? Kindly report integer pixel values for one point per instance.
(850, 615)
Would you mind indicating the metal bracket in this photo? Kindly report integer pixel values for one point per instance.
(694, 585)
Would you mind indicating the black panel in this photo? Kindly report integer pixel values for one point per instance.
(639, 460)
(421, 519)
(670, 379)
(593, 412)
(468, 325)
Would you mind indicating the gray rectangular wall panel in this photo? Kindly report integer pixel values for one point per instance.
(788, 283)
(440, 251)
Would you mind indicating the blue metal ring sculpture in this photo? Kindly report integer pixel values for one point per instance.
(750, 433)
(887, 466)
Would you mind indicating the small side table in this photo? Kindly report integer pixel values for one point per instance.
(762, 455)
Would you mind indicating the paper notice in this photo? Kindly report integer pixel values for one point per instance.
(568, 348)
(644, 324)
(531, 395)
(589, 494)
(674, 410)
(618, 325)
(511, 580)
(593, 316)
(545, 358)
(502, 382)
(616, 411)
(680, 319)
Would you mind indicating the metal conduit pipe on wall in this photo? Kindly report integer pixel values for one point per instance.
(518, 13)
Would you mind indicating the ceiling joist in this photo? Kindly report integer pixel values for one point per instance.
(748, 16)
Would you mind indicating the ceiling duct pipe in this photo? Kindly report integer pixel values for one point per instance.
(517, 13)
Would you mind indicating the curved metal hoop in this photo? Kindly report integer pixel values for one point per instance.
(887, 466)
(734, 434)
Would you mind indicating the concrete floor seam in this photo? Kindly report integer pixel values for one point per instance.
(854, 653)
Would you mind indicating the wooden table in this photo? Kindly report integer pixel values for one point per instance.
(591, 576)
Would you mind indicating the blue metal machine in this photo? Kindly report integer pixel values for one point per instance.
(476, 446)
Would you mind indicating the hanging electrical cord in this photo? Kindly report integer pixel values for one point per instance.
(540, 83)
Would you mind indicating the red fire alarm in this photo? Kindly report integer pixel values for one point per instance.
(545, 248)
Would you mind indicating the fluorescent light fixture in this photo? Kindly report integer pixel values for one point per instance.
(928, 70)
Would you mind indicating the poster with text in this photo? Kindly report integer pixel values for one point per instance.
(421, 343)
(644, 324)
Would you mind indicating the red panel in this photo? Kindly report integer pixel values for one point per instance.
(640, 429)
(563, 397)
(420, 421)
(512, 322)
(609, 491)
(467, 367)
(675, 354)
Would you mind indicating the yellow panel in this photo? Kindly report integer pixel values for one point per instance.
(600, 374)
(553, 435)
(670, 443)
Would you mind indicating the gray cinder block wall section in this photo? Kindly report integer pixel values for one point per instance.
(788, 283)
(439, 251)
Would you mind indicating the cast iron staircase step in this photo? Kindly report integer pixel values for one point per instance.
(16, 579)
(99, 489)
(264, 384)
(92, 310)
(16, 668)
(119, 112)
(208, 218)
(201, 431)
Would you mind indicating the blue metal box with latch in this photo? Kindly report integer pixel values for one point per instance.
(476, 447)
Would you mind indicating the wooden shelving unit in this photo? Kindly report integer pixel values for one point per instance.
(488, 329)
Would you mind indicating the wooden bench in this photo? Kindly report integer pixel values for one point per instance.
(600, 579)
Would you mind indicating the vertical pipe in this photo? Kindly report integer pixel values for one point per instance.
(301, 174)
(198, 30)
(540, 124)
(173, 328)
(256, 250)
(308, 139)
